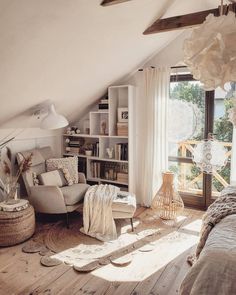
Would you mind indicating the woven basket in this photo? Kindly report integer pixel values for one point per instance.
(16, 227)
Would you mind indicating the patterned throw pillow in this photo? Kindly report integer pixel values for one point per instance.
(68, 165)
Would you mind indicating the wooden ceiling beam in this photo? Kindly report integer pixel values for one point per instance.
(184, 21)
(112, 2)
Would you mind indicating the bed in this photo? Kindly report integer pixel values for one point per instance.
(215, 270)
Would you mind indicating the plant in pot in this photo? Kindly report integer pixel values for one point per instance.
(88, 149)
(9, 185)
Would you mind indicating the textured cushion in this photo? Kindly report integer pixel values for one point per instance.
(74, 193)
(68, 165)
(126, 203)
(55, 177)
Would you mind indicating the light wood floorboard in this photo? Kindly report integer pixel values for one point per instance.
(22, 274)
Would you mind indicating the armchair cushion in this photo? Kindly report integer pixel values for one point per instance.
(37, 157)
(74, 193)
(69, 164)
(55, 177)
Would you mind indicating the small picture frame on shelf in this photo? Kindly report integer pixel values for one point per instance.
(123, 115)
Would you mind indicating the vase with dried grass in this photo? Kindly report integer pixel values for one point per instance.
(167, 202)
(9, 186)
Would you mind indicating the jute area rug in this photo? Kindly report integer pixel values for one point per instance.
(72, 247)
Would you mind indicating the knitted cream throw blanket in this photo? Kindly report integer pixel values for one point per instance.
(223, 206)
(97, 212)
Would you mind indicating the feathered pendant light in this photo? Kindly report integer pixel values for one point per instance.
(210, 52)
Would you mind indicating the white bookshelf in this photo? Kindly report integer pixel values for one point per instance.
(118, 97)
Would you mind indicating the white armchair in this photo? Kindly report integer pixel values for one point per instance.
(48, 198)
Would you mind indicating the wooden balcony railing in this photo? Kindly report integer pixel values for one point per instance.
(185, 151)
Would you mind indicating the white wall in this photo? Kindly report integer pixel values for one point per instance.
(30, 138)
(33, 138)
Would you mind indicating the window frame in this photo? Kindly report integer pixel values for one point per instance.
(194, 200)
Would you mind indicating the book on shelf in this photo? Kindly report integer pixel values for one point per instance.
(76, 142)
(82, 165)
(103, 106)
(121, 151)
(95, 149)
(122, 177)
(95, 169)
(104, 100)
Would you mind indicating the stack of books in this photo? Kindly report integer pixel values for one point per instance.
(74, 150)
(103, 104)
(73, 147)
(122, 177)
(122, 129)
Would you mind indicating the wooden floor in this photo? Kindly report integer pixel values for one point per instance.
(161, 271)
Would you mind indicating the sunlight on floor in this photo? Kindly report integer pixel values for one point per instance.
(145, 264)
(152, 245)
(194, 226)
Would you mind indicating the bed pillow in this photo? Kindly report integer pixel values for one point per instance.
(68, 165)
(55, 177)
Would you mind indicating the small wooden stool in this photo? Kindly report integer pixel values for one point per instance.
(124, 206)
(16, 226)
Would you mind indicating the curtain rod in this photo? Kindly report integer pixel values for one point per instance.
(175, 67)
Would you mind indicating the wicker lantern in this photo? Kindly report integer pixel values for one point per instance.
(167, 202)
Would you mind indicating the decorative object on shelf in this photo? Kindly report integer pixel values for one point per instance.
(72, 130)
(88, 148)
(185, 120)
(167, 202)
(123, 115)
(210, 52)
(209, 155)
(110, 152)
(86, 126)
(103, 127)
(9, 187)
(88, 152)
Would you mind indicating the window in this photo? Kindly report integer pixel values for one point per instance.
(194, 113)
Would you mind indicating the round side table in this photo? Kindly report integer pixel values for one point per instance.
(16, 226)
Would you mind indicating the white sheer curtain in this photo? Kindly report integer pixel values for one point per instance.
(151, 134)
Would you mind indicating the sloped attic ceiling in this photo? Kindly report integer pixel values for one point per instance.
(70, 51)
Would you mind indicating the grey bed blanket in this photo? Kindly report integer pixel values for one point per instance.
(223, 206)
(214, 272)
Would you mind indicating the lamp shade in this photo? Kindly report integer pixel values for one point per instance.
(53, 120)
(210, 51)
